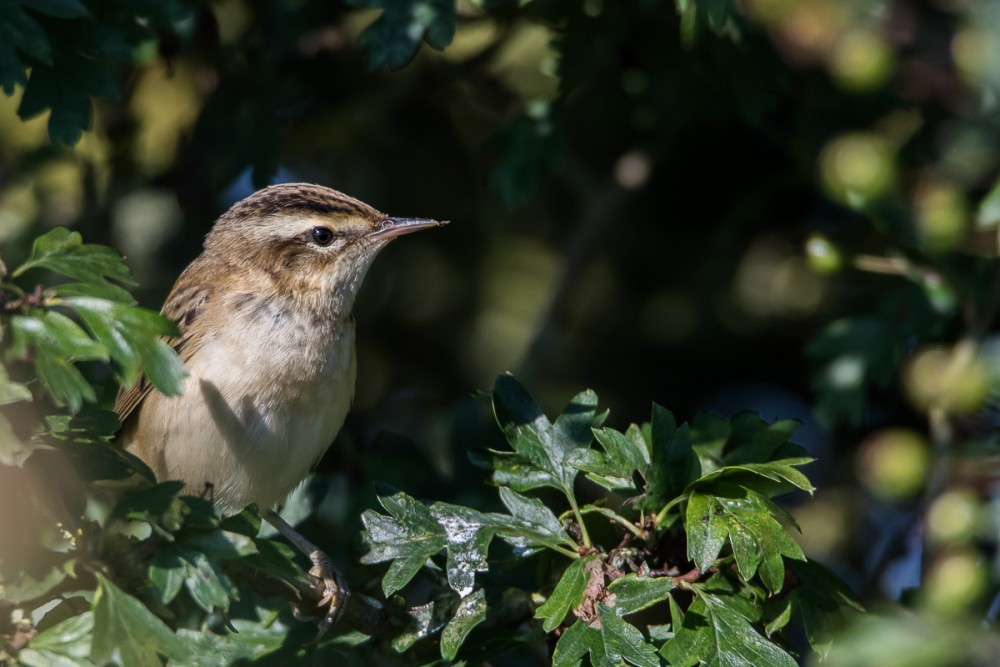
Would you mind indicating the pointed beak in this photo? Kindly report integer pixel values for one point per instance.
(392, 227)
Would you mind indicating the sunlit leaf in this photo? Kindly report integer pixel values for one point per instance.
(408, 537)
(133, 336)
(634, 593)
(567, 595)
(713, 633)
(63, 251)
(65, 644)
(56, 343)
(623, 641)
(744, 517)
(531, 523)
(471, 611)
(542, 449)
(468, 534)
(125, 629)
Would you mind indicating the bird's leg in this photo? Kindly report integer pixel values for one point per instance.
(335, 590)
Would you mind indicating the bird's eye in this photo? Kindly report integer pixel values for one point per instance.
(322, 236)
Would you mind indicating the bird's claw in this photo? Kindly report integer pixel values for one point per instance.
(335, 591)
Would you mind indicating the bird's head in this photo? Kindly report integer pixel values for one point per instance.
(306, 237)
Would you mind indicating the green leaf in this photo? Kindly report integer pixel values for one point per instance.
(531, 523)
(577, 641)
(468, 534)
(778, 611)
(783, 473)
(393, 39)
(542, 450)
(252, 640)
(471, 611)
(706, 533)
(713, 633)
(132, 335)
(823, 602)
(672, 450)
(209, 587)
(634, 593)
(65, 644)
(64, 252)
(567, 595)
(747, 519)
(408, 537)
(623, 641)
(624, 453)
(57, 342)
(674, 463)
(125, 630)
(166, 573)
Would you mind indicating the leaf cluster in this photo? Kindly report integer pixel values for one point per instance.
(66, 52)
(682, 558)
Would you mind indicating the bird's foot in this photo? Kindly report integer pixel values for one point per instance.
(335, 590)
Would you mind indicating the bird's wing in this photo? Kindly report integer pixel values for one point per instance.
(184, 305)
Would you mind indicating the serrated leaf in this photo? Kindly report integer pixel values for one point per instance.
(531, 523)
(706, 532)
(65, 644)
(64, 252)
(624, 453)
(468, 534)
(744, 517)
(673, 462)
(471, 611)
(623, 641)
(542, 450)
(133, 336)
(567, 595)
(577, 641)
(57, 342)
(124, 629)
(753, 440)
(408, 537)
(425, 620)
(634, 593)
(782, 472)
(715, 634)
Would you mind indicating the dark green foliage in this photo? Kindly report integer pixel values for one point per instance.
(731, 527)
(75, 51)
(393, 39)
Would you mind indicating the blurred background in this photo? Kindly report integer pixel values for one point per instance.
(785, 206)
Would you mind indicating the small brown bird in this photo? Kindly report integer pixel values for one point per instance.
(267, 337)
